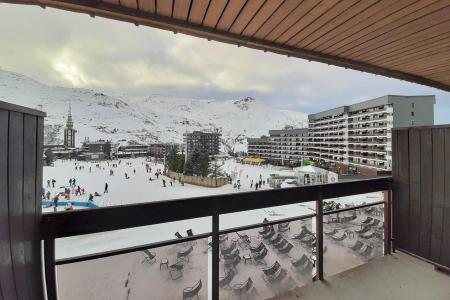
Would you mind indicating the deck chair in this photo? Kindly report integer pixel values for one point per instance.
(189, 233)
(332, 232)
(269, 234)
(302, 233)
(367, 251)
(285, 250)
(366, 221)
(230, 249)
(265, 229)
(363, 229)
(281, 244)
(271, 274)
(232, 262)
(340, 237)
(178, 235)
(368, 235)
(259, 256)
(232, 254)
(257, 248)
(191, 292)
(176, 270)
(244, 289)
(244, 240)
(283, 227)
(303, 265)
(150, 257)
(224, 282)
(357, 246)
(275, 239)
(185, 253)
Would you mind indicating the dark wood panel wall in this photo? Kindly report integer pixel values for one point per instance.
(21, 142)
(421, 192)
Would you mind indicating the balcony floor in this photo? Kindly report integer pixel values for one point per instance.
(398, 276)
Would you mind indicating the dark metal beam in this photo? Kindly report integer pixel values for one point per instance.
(134, 16)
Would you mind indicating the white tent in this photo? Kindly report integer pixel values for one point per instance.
(313, 175)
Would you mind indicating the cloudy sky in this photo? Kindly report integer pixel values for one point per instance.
(75, 50)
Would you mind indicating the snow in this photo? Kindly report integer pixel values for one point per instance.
(139, 189)
(155, 118)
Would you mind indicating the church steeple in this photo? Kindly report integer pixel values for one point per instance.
(69, 132)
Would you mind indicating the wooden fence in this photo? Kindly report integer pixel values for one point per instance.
(197, 180)
(21, 138)
(421, 192)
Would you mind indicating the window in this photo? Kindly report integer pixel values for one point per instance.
(412, 122)
(412, 114)
(412, 105)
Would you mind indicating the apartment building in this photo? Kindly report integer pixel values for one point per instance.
(202, 141)
(283, 147)
(357, 137)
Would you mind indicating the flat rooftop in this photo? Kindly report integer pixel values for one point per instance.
(398, 276)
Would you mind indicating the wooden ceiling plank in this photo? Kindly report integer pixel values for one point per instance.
(439, 73)
(247, 13)
(356, 22)
(265, 14)
(396, 23)
(309, 18)
(198, 11)
(416, 56)
(216, 7)
(271, 34)
(430, 61)
(114, 2)
(328, 17)
(371, 24)
(418, 48)
(414, 28)
(164, 8)
(229, 15)
(147, 6)
(407, 41)
(338, 21)
(129, 3)
(181, 9)
(280, 10)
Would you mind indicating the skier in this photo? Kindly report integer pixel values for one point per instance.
(90, 169)
(48, 183)
(251, 183)
(126, 175)
(134, 171)
(91, 198)
(74, 181)
(171, 184)
(256, 186)
(157, 175)
(53, 182)
(48, 195)
(70, 181)
(106, 188)
(164, 183)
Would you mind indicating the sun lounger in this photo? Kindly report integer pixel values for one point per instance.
(283, 227)
(176, 270)
(339, 237)
(257, 248)
(275, 239)
(363, 229)
(244, 240)
(265, 229)
(259, 256)
(269, 234)
(367, 251)
(232, 254)
(285, 250)
(303, 265)
(230, 249)
(305, 231)
(225, 281)
(367, 221)
(332, 232)
(357, 246)
(232, 262)
(368, 235)
(184, 254)
(245, 288)
(178, 235)
(281, 244)
(150, 257)
(192, 291)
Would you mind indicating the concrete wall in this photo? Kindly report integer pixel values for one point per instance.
(197, 180)
(423, 110)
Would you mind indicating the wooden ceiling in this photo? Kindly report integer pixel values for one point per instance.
(405, 39)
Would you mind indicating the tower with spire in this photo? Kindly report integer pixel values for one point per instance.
(69, 132)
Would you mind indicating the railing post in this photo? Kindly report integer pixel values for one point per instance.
(215, 256)
(49, 266)
(387, 220)
(319, 237)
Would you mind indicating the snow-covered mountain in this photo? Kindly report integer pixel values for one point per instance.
(155, 118)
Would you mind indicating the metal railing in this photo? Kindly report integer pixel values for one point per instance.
(66, 224)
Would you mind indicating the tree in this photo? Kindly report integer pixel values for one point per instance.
(197, 164)
(203, 164)
(49, 157)
(175, 162)
(189, 168)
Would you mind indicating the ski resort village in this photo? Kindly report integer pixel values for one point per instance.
(150, 150)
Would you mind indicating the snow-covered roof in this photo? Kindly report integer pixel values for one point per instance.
(311, 170)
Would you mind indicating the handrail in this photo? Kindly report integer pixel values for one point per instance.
(65, 224)
(78, 222)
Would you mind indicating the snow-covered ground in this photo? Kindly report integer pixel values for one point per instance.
(140, 189)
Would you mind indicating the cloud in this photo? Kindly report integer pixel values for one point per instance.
(73, 50)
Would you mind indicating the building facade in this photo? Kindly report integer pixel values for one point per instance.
(97, 150)
(69, 131)
(282, 147)
(357, 137)
(208, 142)
(159, 150)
